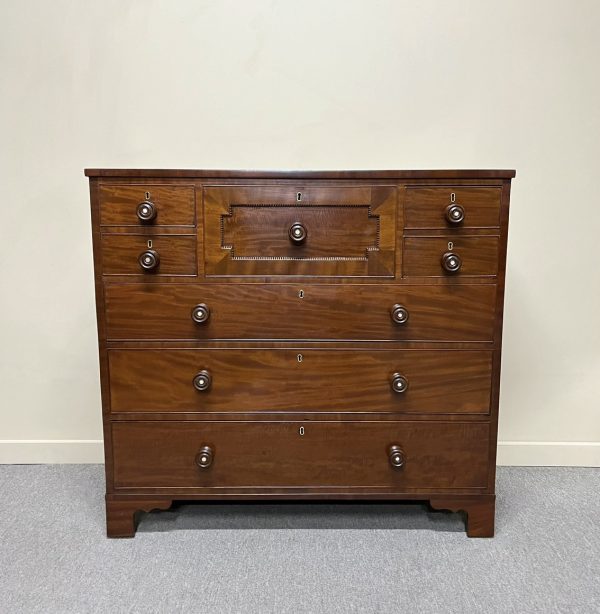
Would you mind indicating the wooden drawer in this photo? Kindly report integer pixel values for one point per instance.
(427, 207)
(274, 455)
(316, 230)
(423, 256)
(266, 380)
(121, 254)
(172, 205)
(276, 311)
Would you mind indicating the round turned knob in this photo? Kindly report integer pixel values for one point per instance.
(149, 260)
(202, 380)
(399, 383)
(396, 456)
(200, 313)
(451, 262)
(455, 214)
(297, 233)
(205, 457)
(146, 211)
(399, 314)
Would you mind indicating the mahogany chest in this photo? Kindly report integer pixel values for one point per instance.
(299, 335)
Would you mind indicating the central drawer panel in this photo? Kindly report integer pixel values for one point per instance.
(285, 311)
(269, 380)
(292, 454)
(315, 230)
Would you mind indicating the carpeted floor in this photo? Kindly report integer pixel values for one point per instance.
(54, 556)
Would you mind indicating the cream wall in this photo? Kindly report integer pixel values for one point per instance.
(308, 84)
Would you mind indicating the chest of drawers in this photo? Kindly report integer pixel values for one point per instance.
(299, 335)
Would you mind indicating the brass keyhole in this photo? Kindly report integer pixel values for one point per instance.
(300, 358)
(298, 196)
(301, 294)
(149, 243)
(301, 431)
(147, 195)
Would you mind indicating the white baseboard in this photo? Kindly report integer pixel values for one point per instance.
(549, 453)
(41, 451)
(510, 453)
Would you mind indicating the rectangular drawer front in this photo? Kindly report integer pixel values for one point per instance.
(276, 311)
(263, 380)
(174, 205)
(423, 256)
(426, 207)
(121, 253)
(275, 454)
(249, 230)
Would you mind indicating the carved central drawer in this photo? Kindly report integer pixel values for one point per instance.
(273, 230)
(307, 335)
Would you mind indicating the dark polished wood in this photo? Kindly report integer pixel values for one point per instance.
(121, 253)
(425, 207)
(276, 311)
(174, 205)
(347, 231)
(299, 335)
(423, 255)
(295, 454)
(426, 175)
(122, 514)
(250, 380)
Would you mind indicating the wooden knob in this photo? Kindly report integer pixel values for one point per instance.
(149, 260)
(451, 262)
(399, 314)
(205, 457)
(146, 211)
(399, 383)
(396, 456)
(202, 380)
(297, 233)
(200, 313)
(455, 214)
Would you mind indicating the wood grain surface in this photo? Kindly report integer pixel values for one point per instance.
(281, 380)
(175, 205)
(425, 207)
(267, 455)
(276, 311)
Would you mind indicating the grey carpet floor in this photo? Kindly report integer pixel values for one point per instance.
(54, 556)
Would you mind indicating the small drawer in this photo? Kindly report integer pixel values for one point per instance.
(285, 311)
(146, 205)
(313, 231)
(452, 207)
(125, 254)
(307, 380)
(390, 456)
(450, 256)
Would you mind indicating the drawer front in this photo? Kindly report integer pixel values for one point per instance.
(428, 256)
(170, 205)
(279, 455)
(452, 207)
(264, 380)
(123, 254)
(277, 311)
(281, 230)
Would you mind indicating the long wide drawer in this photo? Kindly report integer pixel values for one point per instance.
(188, 455)
(286, 311)
(264, 380)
